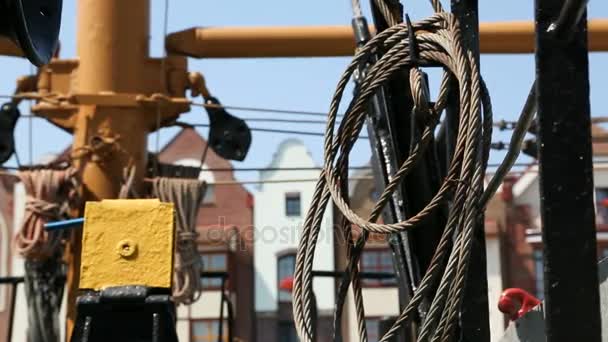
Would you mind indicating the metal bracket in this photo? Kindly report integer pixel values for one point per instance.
(125, 313)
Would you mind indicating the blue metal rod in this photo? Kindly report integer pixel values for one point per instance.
(65, 224)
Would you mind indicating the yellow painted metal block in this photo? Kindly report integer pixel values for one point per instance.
(127, 242)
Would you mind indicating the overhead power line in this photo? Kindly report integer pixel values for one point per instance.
(262, 129)
(258, 109)
(7, 171)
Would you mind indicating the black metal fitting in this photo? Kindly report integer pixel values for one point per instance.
(11, 280)
(413, 45)
(125, 313)
(361, 31)
(229, 136)
(565, 25)
(9, 114)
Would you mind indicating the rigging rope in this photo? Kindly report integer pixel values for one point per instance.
(49, 195)
(439, 41)
(48, 192)
(187, 196)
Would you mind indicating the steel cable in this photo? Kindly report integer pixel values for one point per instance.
(439, 42)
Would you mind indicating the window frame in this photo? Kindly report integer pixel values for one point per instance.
(378, 319)
(288, 254)
(209, 200)
(218, 287)
(291, 196)
(283, 325)
(377, 283)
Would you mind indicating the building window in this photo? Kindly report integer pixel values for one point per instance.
(373, 329)
(601, 205)
(374, 261)
(292, 204)
(209, 197)
(208, 330)
(214, 262)
(286, 266)
(539, 273)
(287, 332)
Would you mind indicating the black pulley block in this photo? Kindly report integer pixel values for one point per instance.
(229, 136)
(9, 114)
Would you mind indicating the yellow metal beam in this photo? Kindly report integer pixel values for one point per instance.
(333, 41)
(518, 36)
(228, 42)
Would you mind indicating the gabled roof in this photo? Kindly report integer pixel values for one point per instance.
(189, 144)
(279, 154)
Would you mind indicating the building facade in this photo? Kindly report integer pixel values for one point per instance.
(280, 208)
(517, 214)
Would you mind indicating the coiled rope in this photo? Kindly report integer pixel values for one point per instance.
(48, 195)
(187, 196)
(438, 41)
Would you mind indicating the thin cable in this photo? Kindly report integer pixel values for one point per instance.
(290, 121)
(17, 160)
(259, 109)
(263, 169)
(510, 124)
(30, 134)
(260, 129)
(502, 125)
(517, 138)
(163, 78)
(31, 124)
(7, 168)
(7, 173)
(270, 181)
(198, 104)
(356, 7)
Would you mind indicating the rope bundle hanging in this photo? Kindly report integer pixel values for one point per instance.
(50, 194)
(187, 196)
(438, 42)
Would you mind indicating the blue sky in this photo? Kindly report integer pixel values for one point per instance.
(302, 84)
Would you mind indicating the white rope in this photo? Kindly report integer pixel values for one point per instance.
(187, 196)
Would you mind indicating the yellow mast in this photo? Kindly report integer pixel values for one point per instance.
(110, 98)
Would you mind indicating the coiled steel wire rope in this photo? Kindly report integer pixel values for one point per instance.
(438, 41)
